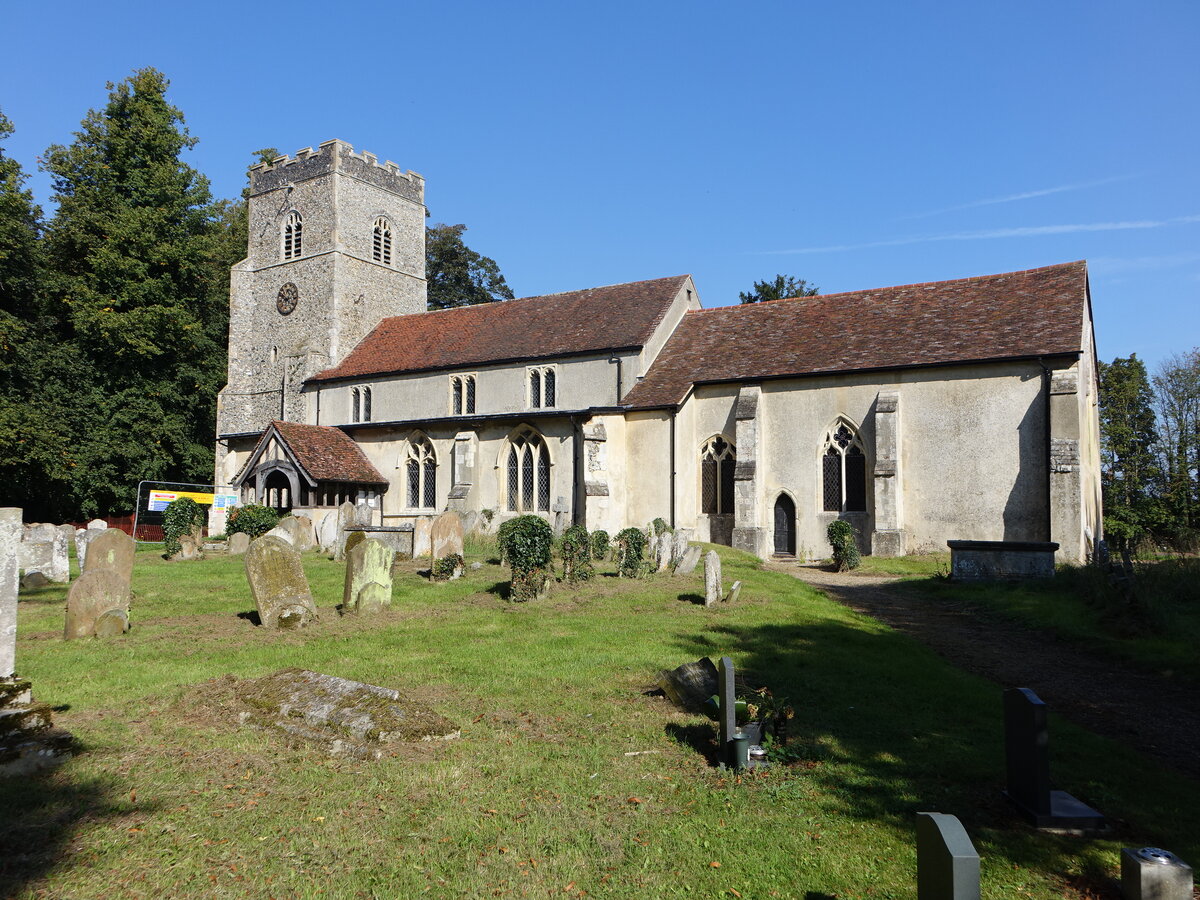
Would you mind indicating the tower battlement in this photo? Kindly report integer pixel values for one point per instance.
(336, 156)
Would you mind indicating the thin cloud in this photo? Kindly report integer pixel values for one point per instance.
(1025, 231)
(1024, 195)
(1111, 265)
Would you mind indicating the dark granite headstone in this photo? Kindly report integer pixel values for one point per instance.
(1154, 874)
(728, 713)
(947, 863)
(1027, 760)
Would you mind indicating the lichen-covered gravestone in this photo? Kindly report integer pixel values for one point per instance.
(278, 584)
(712, 578)
(305, 537)
(734, 592)
(112, 550)
(10, 537)
(422, 537)
(688, 562)
(84, 538)
(662, 550)
(44, 550)
(97, 605)
(238, 543)
(346, 516)
(368, 585)
(446, 535)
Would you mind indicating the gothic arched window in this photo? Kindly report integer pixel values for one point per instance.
(717, 460)
(527, 471)
(360, 404)
(462, 395)
(543, 384)
(381, 245)
(844, 470)
(420, 466)
(293, 235)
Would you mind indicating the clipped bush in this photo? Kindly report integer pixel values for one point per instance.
(445, 567)
(599, 544)
(180, 517)
(575, 549)
(253, 520)
(845, 550)
(631, 548)
(502, 538)
(661, 527)
(525, 544)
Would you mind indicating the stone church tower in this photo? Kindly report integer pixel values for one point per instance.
(337, 243)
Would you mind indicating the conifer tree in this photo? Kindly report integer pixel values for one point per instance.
(1129, 471)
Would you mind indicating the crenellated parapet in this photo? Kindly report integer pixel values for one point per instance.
(336, 156)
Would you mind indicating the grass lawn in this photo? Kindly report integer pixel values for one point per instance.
(1160, 631)
(537, 796)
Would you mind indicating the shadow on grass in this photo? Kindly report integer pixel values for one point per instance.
(692, 598)
(251, 616)
(701, 737)
(40, 816)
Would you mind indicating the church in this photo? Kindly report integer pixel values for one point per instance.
(953, 410)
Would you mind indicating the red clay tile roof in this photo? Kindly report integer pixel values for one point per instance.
(1038, 312)
(603, 318)
(328, 454)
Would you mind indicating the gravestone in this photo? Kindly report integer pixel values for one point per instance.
(327, 532)
(306, 535)
(679, 545)
(422, 537)
(368, 586)
(191, 546)
(283, 532)
(663, 550)
(446, 535)
(346, 517)
(97, 605)
(113, 551)
(10, 536)
(734, 592)
(44, 550)
(1027, 761)
(688, 562)
(33, 580)
(353, 539)
(470, 521)
(712, 578)
(691, 685)
(238, 543)
(947, 863)
(1154, 874)
(278, 584)
(727, 722)
(84, 538)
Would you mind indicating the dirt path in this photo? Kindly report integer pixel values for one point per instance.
(1144, 710)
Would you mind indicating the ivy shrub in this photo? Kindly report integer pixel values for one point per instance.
(599, 544)
(445, 567)
(845, 550)
(575, 549)
(253, 520)
(631, 547)
(525, 544)
(661, 527)
(180, 517)
(502, 534)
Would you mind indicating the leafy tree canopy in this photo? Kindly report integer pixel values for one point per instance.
(456, 274)
(782, 287)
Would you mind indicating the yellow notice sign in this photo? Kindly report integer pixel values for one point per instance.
(160, 499)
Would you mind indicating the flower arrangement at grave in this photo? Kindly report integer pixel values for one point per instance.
(845, 551)
(575, 550)
(252, 520)
(447, 567)
(631, 548)
(182, 516)
(599, 544)
(525, 544)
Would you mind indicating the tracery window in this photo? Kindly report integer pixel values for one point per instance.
(844, 470)
(527, 473)
(462, 395)
(360, 404)
(717, 460)
(381, 245)
(293, 235)
(420, 466)
(543, 386)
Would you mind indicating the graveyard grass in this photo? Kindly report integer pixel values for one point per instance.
(537, 796)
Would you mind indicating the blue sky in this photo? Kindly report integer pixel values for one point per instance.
(852, 144)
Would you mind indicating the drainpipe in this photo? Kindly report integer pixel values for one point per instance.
(673, 415)
(1046, 376)
(578, 494)
(617, 360)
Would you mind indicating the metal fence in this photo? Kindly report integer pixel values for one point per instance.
(153, 497)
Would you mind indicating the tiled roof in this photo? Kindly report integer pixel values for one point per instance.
(1039, 312)
(328, 454)
(597, 319)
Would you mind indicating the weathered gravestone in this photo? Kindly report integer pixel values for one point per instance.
(10, 536)
(97, 605)
(238, 543)
(368, 586)
(346, 517)
(470, 521)
(191, 546)
(734, 592)
(947, 863)
(422, 537)
(278, 584)
(727, 723)
(306, 534)
(84, 538)
(712, 578)
(346, 718)
(688, 562)
(1027, 760)
(113, 551)
(446, 535)
(1154, 874)
(44, 550)
(691, 685)
(327, 532)
(679, 545)
(283, 532)
(662, 549)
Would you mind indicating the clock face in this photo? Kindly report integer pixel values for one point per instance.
(287, 299)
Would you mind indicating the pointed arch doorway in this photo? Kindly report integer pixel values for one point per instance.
(785, 526)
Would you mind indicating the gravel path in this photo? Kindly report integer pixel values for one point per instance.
(1146, 711)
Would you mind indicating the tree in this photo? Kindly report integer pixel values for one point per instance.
(1177, 399)
(137, 274)
(782, 287)
(1129, 471)
(456, 274)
